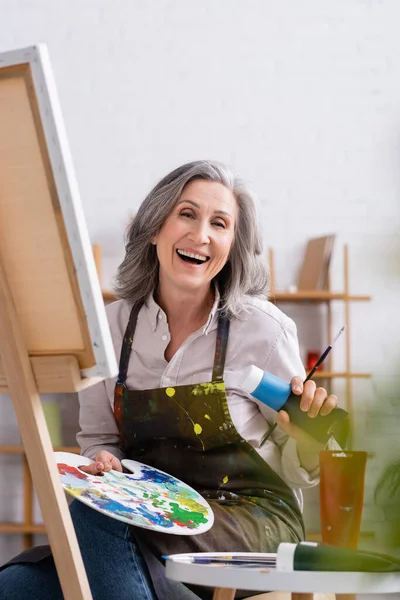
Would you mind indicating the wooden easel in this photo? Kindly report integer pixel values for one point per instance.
(54, 335)
(36, 440)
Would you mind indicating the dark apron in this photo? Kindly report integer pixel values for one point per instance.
(187, 431)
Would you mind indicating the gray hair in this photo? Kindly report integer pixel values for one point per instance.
(245, 272)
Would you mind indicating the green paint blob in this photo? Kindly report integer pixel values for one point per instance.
(188, 518)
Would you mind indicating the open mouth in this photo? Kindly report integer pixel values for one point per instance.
(191, 257)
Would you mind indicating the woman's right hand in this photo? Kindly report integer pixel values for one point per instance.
(104, 461)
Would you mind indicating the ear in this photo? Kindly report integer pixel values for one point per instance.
(154, 240)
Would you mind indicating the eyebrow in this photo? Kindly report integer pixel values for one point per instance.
(196, 205)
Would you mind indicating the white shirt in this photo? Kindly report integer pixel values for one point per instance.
(264, 336)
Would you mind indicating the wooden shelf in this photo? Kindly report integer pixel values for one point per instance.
(343, 374)
(22, 528)
(109, 297)
(315, 296)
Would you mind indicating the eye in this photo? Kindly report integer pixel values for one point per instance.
(187, 213)
(219, 224)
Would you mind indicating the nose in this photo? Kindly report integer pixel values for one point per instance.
(200, 232)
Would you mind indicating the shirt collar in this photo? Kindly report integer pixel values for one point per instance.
(155, 313)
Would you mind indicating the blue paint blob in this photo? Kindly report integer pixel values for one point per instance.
(154, 518)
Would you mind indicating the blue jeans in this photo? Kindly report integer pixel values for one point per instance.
(114, 564)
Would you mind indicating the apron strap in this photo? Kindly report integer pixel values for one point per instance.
(220, 348)
(127, 343)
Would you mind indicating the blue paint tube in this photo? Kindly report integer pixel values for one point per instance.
(277, 394)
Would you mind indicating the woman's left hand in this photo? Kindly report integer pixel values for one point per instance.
(314, 401)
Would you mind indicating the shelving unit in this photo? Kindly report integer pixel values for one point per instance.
(327, 297)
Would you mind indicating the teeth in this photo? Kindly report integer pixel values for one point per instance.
(191, 255)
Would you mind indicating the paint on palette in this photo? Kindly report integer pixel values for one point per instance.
(147, 498)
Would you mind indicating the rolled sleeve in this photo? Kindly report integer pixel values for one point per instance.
(284, 362)
(99, 429)
(292, 470)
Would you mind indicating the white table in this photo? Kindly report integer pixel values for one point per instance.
(227, 579)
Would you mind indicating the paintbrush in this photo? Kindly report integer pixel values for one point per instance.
(320, 427)
(324, 354)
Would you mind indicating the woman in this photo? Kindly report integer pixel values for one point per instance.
(192, 315)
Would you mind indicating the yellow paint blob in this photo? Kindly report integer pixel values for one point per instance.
(225, 479)
(197, 429)
(207, 417)
(208, 388)
(170, 392)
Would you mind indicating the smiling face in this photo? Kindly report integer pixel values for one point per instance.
(194, 242)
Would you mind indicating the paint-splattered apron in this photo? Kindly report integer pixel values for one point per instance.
(187, 431)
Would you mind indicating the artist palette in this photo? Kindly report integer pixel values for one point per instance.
(146, 498)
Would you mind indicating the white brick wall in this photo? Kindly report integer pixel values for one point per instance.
(302, 98)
